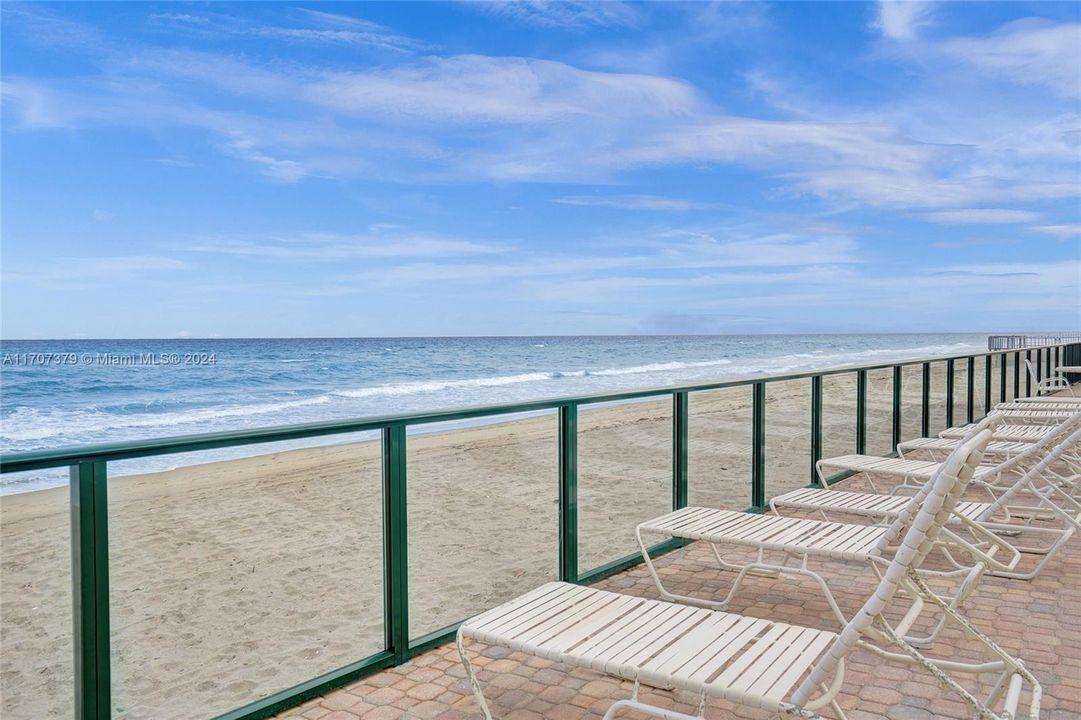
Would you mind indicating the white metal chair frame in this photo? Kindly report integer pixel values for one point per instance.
(1048, 385)
(1001, 516)
(801, 540)
(914, 473)
(784, 669)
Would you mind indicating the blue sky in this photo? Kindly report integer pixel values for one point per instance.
(293, 169)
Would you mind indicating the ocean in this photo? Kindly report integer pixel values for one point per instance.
(62, 393)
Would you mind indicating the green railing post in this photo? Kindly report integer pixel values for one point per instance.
(395, 543)
(861, 412)
(925, 401)
(816, 426)
(1016, 375)
(897, 375)
(970, 391)
(680, 418)
(949, 393)
(758, 445)
(1028, 375)
(568, 493)
(90, 590)
(1002, 378)
(1047, 362)
(986, 384)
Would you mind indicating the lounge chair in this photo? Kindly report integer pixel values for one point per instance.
(1001, 516)
(1031, 413)
(1048, 385)
(781, 668)
(803, 540)
(908, 471)
(1010, 433)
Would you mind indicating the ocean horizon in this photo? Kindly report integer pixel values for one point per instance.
(64, 393)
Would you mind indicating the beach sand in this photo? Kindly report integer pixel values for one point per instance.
(235, 579)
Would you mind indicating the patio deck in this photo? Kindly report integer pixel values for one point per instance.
(1038, 621)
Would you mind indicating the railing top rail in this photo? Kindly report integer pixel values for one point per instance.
(61, 457)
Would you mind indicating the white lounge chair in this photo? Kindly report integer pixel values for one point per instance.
(1060, 399)
(802, 540)
(1026, 415)
(1001, 516)
(908, 471)
(1048, 385)
(780, 668)
(1010, 433)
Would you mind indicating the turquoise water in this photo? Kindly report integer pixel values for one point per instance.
(59, 393)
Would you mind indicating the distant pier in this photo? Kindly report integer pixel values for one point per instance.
(1016, 342)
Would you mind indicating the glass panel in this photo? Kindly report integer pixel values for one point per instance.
(242, 572)
(35, 596)
(719, 452)
(483, 516)
(838, 414)
(960, 391)
(911, 401)
(788, 435)
(880, 411)
(624, 475)
(938, 397)
(979, 379)
(996, 379)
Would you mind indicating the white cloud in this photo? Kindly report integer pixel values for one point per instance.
(515, 119)
(1026, 52)
(634, 202)
(506, 90)
(562, 14)
(1067, 230)
(902, 19)
(988, 216)
(74, 273)
(380, 242)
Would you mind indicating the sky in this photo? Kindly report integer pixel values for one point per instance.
(354, 169)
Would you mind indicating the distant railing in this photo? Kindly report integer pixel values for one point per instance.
(1020, 342)
(1002, 376)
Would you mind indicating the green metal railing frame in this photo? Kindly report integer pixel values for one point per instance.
(89, 500)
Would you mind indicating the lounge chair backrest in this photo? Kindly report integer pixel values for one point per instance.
(945, 489)
(909, 511)
(991, 420)
(1066, 444)
(1040, 447)
(1032, 374)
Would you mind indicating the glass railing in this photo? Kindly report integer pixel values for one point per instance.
(238, 588)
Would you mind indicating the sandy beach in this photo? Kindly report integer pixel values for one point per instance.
(234, 579)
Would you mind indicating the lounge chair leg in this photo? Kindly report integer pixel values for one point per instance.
(478, 693)
(665, 594)
(651, 710)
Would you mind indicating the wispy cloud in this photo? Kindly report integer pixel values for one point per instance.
(380, 242)
(902, 19)
(1026, 52)
(297, 25)
(1067, 230)
(518, 119)
(983, 216)
(72, 273)
(567, 14)
(634, 202)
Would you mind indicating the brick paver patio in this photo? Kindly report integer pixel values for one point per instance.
(1038, 621)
